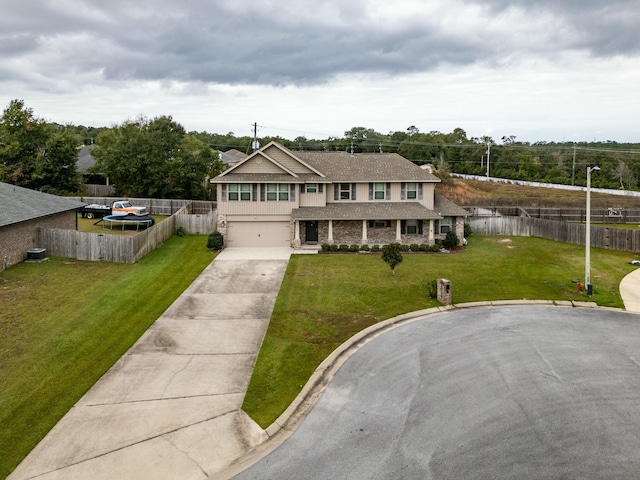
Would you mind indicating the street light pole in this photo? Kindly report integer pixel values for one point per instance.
(587, 262)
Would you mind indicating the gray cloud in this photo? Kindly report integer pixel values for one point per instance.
(302, 43)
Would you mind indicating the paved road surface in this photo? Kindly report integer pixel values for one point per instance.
(531, 392)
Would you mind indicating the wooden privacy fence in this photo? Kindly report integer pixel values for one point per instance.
(602, 237)
(598, 215)
(154, 205)
(124, 249)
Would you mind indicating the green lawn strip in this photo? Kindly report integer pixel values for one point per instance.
(67, 322)
(325, 299)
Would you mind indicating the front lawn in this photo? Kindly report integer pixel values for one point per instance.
(64, 323)
(325, 299)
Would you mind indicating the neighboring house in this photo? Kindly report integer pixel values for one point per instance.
(23, 211)
(95, 184)
(277, 197)
(232, 157)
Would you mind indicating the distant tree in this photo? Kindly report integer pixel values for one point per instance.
(36, 154)
(154, 158)
(392, 256)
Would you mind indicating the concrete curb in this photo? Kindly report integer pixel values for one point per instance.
(286, 424)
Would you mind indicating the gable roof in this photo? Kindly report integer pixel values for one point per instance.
(269, 152)
(18, 204)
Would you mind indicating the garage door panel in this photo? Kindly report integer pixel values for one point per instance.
(258, 234)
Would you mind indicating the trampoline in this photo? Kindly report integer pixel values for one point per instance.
(129, 219)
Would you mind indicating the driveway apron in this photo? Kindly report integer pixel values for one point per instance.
(171, 406)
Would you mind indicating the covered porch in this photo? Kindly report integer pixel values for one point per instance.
(364, 223)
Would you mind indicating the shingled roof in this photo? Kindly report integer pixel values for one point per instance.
(18, 204)
(365, 167)
(365, 211)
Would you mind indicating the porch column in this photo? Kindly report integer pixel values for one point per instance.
(330, 237)
(398, 231)
(364, 231)
(431, 231)
(296, 230)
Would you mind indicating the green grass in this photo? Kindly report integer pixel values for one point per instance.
(325, 299)
(63, 323)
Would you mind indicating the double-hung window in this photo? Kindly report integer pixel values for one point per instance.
(378, 191)
(278, 192)
(412, 226)
(312, 187)
(412, 190)
(345, 191)
(239, 191)
(445, 225)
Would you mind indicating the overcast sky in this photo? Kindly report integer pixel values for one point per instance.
(548, 70)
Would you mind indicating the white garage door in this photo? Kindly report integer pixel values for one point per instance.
(258, 234)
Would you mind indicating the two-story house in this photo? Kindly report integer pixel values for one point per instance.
(278, 197)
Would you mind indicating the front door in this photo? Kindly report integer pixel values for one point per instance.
(311, 231)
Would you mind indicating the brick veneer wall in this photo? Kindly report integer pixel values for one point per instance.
(350, 231)
(17, 239)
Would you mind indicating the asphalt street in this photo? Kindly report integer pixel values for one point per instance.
(533, 392)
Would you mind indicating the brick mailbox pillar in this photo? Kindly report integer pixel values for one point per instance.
(444, 291)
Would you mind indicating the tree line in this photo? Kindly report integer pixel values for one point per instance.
(159, 158)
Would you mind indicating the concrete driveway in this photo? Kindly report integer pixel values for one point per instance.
(170, 407)
(496, 392)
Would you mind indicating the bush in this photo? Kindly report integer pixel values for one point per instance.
(431, 286)
(435, 247)
(333, 248)
(414, 247)
(451, 240)
(325, 247)
(215, 241)
(364, 248)
(343, 248)
(423, 247)
(180, 231)
(375, 248)
(467, 230)
(404, 248)
(354, 247)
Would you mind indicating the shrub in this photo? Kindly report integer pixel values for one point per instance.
(375, 248)
(467, 230)
(431, 286)
(414, 247)
(180, 231)
(215, 241)
(451, 240)
(333, 248)
(354, 247)
(404, 248)
(343, 248)
(325, 247)
(435, 247)
(423, 247)
(364, 248)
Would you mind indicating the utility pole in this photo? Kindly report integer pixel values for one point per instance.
(255, 145)
(573, 169)
(488, 156)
